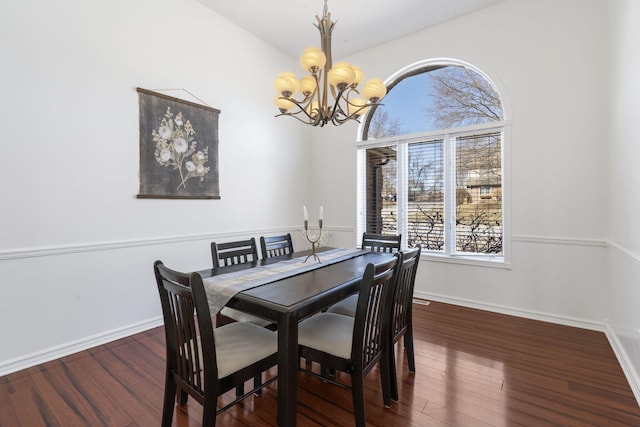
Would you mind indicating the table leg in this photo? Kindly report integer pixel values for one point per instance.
(287, 370)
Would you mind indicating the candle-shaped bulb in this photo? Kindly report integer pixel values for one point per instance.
(321, 213)
(306, 214)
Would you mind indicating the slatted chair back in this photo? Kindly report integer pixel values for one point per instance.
(276, 245)
(194, 365)
(402, 313)
(372, 319)
(230, 253)
(381, 242)
(189, 337)
(403, 292)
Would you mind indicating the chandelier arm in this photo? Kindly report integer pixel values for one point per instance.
(356, 114)
(337, 108)
(312, 120)
(337, 121)
(294, 101)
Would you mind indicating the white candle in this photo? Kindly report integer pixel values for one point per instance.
(306, 215)
(321, 212)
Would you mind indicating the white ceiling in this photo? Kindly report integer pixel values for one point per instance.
(360, 24)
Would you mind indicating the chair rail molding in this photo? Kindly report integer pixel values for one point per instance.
(570, 241)
(124, 244)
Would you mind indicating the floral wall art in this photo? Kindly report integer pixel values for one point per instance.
(178, 148)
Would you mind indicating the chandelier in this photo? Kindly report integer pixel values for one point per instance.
(329, 93)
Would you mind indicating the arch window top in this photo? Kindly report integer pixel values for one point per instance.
(434, 97)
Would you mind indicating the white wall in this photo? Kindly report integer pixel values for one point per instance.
(76, 246)
(624, 152)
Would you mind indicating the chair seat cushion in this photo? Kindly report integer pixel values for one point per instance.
(240, 344)
(328, 332)
(240, 316)
(346, 307)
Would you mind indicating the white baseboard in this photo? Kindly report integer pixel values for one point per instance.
(57, 352)
(625, 363)
(527, 314)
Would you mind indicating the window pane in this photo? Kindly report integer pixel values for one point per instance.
(382, 193)
(425, 192)
(479, 194)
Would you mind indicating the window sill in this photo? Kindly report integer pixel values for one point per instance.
(478, 261)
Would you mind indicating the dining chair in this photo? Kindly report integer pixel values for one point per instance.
(381, 242)
(204, 362)
(401, 317)
(354, 344)
(276, 245)
(231, 253)
(401, 314)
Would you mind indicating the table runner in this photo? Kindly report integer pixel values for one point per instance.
(221, 288)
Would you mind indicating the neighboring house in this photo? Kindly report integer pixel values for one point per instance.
(483, 185)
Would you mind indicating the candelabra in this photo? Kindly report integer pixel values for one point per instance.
(312, 239)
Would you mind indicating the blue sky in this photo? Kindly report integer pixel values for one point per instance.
(407, 100)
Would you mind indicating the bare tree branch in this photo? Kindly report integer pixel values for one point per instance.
(462, 97)
(383, 124)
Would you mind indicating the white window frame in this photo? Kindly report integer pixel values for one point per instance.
(448, 136)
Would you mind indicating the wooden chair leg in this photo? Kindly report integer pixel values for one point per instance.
(393, 374)
(182, 397)
(357, 392)
(170, 388)
(257, 382)
(209, 413)
(408, 345)
(240, 390)
(386, 377)
(327, 371)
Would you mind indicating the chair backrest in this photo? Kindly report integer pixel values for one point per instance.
(172, 275)
(238, 252)
(188, 331)
(381, 242)
(276, 245)
(372, 319)
(403, 291)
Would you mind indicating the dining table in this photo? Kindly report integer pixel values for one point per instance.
(291, 296)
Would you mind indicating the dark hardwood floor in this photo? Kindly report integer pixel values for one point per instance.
(474, 368)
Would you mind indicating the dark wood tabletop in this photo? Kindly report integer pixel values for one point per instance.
(308, 292)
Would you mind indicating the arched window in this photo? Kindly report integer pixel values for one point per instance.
(431, 162)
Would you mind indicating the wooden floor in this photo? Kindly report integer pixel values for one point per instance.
(474, 368)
